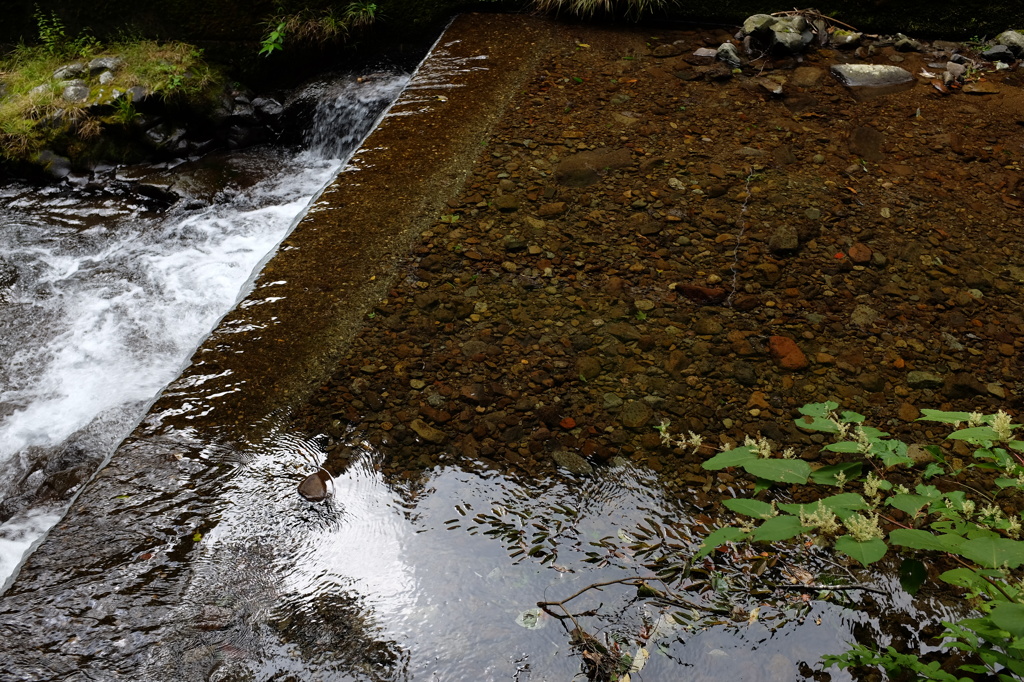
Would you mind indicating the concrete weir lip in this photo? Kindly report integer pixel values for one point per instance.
(103, 586)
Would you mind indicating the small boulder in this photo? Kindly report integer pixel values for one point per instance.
(572, 462)
(786, 353)
(101, 64)
(75, 91)
(784, 240)
(635, 414)
(586, 168)
(1013, 40)
(69, 71)
(728, 53)
(1000, 53)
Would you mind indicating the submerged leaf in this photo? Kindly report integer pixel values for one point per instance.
(531, 619)
(718, 538)
(912, 575)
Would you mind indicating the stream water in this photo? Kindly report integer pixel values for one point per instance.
(111, 297)
(408, 572)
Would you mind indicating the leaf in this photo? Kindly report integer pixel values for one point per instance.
(932, 469)
(965, 577)
(730, 458)
(1009, 617)
(827, 475)
(197, 537)
(867, 552)
(778, 528)
(818, 409)
(922, 539)
(943, 416)
(754, 508)
(912, 575)
(848, 446)
(908, 504)
(851, 418)
(975, 434)
(993, 552)
(720, 537)
(891, 452)
(780, 470)
(817, 424)
(842, 505)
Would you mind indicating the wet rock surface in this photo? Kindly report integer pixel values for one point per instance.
(722, 253)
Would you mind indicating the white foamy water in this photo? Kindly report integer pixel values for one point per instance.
(112, 300)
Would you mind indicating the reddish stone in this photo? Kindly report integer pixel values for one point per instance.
(702, 294)
(859, 253)
(786, 353)
(568, 423)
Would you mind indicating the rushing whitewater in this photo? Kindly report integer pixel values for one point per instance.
(111, 298)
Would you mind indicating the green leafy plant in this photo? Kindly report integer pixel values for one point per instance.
(633, 9)
(54, 39)
(961, 526)
(315, 28)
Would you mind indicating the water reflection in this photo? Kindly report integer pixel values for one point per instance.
(415, 577)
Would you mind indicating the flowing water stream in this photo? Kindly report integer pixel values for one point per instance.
(111, 297)
(430, 573)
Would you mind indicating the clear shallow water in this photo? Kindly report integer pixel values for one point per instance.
(112, 298)
(393, 580)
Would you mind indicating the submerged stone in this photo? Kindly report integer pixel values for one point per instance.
(573, 463)
(317, 487)
(867, 81)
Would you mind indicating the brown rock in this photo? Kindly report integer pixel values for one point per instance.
(427, 432)
(859, 253)
(588, 367)
(908, 412)
(552, 209)
(700, 294)
(786, 353)
(586, 168)
(635, 414)
(867, 143)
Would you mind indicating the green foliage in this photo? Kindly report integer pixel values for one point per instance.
(959, 522)
(633, 9)
(315, 28)
(54, 40)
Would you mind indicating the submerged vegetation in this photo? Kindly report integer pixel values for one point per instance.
(63, 91)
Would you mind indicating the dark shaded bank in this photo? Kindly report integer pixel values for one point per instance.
(240, 21)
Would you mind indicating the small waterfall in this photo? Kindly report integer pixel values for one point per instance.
(110, 300)
(347, 109)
